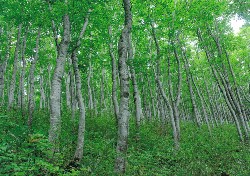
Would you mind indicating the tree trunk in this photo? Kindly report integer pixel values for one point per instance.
(42, 92)
(163, 94)
(91, 106)
(22, 76)
(13, 79)
(55, 95)
(67, 85)
(123, 118)
(202, 105)
(80, 140)
(31, 103)
(3, 69)
(224, 91)
(190, 87)
(114, 76)
(103, 103)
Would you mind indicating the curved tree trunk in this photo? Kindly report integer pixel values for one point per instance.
(123, 118)
(55, 95)
(163, 94)
(80, 140)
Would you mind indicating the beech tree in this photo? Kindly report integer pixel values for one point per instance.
(66, 63)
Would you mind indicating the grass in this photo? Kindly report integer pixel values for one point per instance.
(153, 154)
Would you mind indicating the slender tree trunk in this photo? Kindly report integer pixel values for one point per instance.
(31, 103)
(151, 98)
(103, 103)
(72, 93)
(67, 85)
(123, 118)
(80, 140)
(190, 87)
(163, 94)
(202, 105)
(13, 79)
(91, 106)
(22, 76)
(49, 88)
(55, 95)
(136, 93)
(3, 69)
(42, 92)
(114, 76)
(224, 91)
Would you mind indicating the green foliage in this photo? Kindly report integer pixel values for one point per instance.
(153, 154)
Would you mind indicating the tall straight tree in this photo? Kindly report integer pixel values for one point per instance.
(13, 79)
(3, 65)
(123, 117)
(114, 76)
(31, 103)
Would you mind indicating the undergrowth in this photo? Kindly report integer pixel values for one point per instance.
(28, 153)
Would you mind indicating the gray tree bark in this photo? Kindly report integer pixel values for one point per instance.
(55, 95)
(31, 103)
(123, 118)
(3, 68)
(21, 101)
(90, 96)
(13, 79)
(42, 92)
(114, 76)
(80, 140)
(218, 77)
(162, 92)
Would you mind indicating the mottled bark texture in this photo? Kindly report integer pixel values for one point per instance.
(55, 94)
(123, 117)
(81, 129)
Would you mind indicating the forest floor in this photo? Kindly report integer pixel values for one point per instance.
(25, 153)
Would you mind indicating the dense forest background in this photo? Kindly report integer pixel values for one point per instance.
(101, 87)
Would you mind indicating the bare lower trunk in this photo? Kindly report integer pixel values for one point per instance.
(103, 103)
(42, 92)
(31, 103)
(162, 92)
(80, 139)
(80, 142)
(123, 117)
(49, 88)
(55, 95)
(202, 105)
(224, 91)
(91, 106)
(67, 84)
(22, 76)
(3, 66)
(13, 79)
(72, 93)
(190, 87)
(114, 76)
